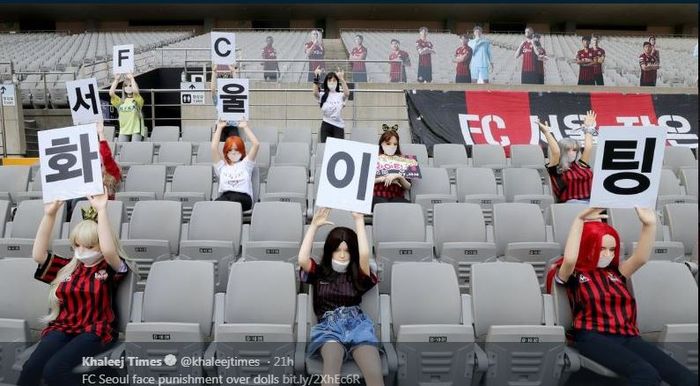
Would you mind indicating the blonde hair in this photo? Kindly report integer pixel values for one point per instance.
(84, 234)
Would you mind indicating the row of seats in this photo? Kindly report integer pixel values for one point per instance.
(459, 234)
(503, 331)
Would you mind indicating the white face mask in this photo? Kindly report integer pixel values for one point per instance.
(389, 149)
(340, 266)
(603, 261)
(128, 89)
(88, 256)
(332, 85)
(234, 156)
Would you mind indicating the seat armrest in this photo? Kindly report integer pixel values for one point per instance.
(385, 318)
(548, 310)
(137, 307)
(301, 326)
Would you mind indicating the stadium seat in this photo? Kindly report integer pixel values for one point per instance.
(516, 325)
(527, 156)
(627, 224)
(682, 220)
(173, 154)
(365, 135)
(478, 186)
(667, 309)
(144, 182)
(298, 135)
(174, 314)
(263, 159)
(33, 193)
(206, 239)
(274, 233)
(153, 233)
(23, 301)
(204, 153)
(115, 210)
(268, 135)
(417, 149)
(375, 310)
(399, 234)
(196, 134)
(109, 133)
(432, 188)
(191, 183)
(161, 134)
(135, 153)
(286, 184)
(460, 238)
(292, 154)
(489, 156)
(670, 190)
(689, 179)
(13, 179)
(433, 320)
(4, 216)
(525, 185)
(520, 234)
(562, 216)
(677, 157)
(261, 302)
(21, 231)
(450, 156)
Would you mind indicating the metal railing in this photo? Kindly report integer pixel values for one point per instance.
(304, 94)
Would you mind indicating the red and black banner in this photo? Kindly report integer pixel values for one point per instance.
(509, 117)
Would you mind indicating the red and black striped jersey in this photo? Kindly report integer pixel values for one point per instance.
(598, 53)
(601, 302)
(585, 72)
(337, 291)
(359, 65)
(85, 297)
(424, 59)
(269, 53)
(646, 60)
(463, 66)
(527, 50)
(573, 184)
(539, 64)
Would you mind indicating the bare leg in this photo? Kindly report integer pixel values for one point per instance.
(332, 354)
(367, 359)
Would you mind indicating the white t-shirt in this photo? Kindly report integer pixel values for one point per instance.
(237, 177)
(332, 108)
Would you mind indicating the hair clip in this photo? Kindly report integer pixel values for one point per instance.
(89, 213)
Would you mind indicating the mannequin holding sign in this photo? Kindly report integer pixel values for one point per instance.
(331, 100)
(130, 106)
(391, 187)
(234, 167)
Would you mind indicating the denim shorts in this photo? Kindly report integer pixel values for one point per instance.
(348, 326)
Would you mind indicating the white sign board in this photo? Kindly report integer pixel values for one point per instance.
(627, 170)
(191, 97)
(347, 176)
(223, 48)
(232, 99)
(70, 162)
(84, 101)
(123, 59)
(8, 94)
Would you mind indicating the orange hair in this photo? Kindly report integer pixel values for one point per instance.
(228, 145)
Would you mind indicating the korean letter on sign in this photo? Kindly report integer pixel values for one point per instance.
(84, 101)
(223, 48)
(627, 170)
(123, 59)
(70, 162)
(232, 103)
(347, 176)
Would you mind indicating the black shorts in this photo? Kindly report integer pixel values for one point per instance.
(584, 82)
(425, 73)
(643, 83)
(463, 79)
(271, 75)
(529, 78)
(599, 80)
(242, 198)
(328, 130)
(359, 76)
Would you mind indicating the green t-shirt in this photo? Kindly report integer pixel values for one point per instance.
(130, 117)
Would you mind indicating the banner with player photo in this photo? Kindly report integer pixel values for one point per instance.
(510, 117)
(406, 165)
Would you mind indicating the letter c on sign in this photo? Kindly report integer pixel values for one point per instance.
(216, 47)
